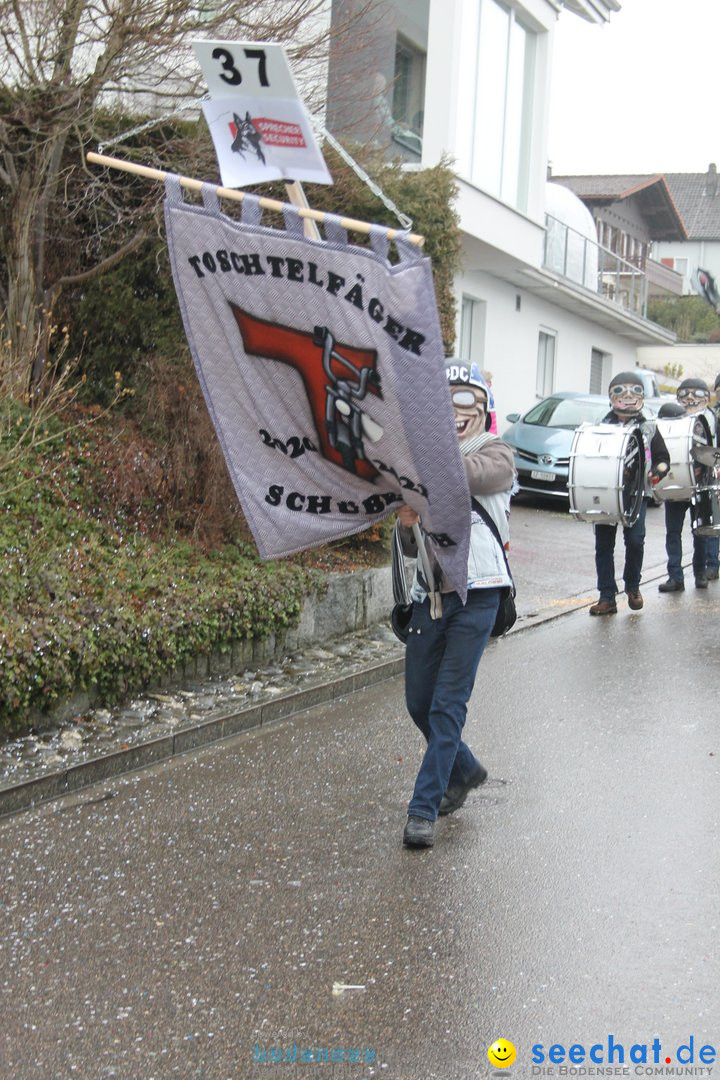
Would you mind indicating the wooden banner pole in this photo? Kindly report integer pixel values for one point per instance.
(304, 210)
(296, 195)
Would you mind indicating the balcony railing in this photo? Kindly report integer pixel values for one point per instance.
(662, 281)
(584, 261)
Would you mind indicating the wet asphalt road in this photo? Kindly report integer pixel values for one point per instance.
(553, 555)
(188, 918)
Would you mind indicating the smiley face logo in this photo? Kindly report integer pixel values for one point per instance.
(501, 1054)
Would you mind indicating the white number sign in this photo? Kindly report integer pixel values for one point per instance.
(252, 69)
(258, 123)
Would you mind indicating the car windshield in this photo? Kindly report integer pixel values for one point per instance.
(565, 412)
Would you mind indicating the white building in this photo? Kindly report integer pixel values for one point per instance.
(540, 303)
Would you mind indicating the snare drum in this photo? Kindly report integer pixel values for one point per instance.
(705, 511)
(681, 434)
(607, 474)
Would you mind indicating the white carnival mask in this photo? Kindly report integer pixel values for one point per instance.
(627, 398)
(469, 405)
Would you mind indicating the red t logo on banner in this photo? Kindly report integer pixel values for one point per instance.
(336, 378)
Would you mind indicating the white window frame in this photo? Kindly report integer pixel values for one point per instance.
(496, 146)
(408, 97)
(415, 85)
(471, 334)
(546, 360)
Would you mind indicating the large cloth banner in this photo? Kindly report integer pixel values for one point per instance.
(322, 368)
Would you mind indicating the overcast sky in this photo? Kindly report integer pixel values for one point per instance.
(639, 94)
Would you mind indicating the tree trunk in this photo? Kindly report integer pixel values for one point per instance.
(19, 327)
(23, 349)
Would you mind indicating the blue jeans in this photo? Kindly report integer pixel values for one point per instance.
(441, 661)
(634, 538)
(674, 519)
(712, 552)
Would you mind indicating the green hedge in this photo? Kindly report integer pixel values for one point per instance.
(88, 601)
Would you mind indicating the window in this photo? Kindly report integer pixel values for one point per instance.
(680, 265)
(497, 74)
(567, 413)
(472, 330)
(599, 368)
(545, 380)
(408, 96)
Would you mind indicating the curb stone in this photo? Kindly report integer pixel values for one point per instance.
(31, 793)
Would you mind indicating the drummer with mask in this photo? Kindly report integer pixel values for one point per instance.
(627, 398)
(693, 395)
(712, 571)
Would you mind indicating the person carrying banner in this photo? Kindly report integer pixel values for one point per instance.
(627, 397)
(447, 638)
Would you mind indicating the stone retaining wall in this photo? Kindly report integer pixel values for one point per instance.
(352, 602)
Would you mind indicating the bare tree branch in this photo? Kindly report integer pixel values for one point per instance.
(105, 265)
(62, 62)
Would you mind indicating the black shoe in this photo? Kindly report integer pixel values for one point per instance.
(712, 575)
(419, 832)
(671, 585)
(456, 794)
(701, 582)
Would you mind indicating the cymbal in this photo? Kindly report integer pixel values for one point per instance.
(707, 455)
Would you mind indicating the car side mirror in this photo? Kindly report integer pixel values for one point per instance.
(513, 417)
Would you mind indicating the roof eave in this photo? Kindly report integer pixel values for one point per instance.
(594, 11)
(675, 227)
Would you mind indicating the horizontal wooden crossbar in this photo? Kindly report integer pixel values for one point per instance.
(232, 193)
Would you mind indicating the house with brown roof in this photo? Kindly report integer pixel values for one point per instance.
(634, 215)
(697, 197)
(667, 221)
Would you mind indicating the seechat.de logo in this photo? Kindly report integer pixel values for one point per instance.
(639, 1059)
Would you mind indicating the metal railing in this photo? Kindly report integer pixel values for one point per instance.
(574, 256)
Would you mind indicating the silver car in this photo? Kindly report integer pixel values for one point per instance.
(541, 439)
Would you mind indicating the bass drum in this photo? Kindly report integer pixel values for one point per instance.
(606, 480)
(705, 511)
(682, 435)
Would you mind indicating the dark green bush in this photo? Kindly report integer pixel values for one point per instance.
(89, 600)
(690, 317)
